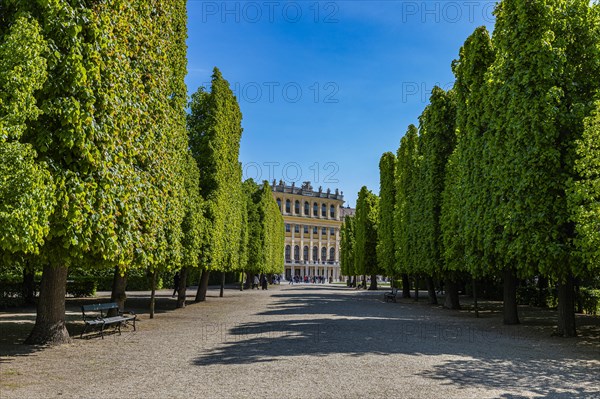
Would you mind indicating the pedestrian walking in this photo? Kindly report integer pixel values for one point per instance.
(175, 284)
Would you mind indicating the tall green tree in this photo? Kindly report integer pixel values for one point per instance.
(542, 84)
(110, 132)
(347, 248)
(405, 217)
(437, 141)
(466, 201)
(215, 131)
(386, 248)
(365, 233)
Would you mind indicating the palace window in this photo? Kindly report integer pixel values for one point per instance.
(315, 254)
(288, 252)
(332, 211)
(323, 254)
(305, 229)
(306, 208)
(315, 230)
(279, 203)
(324, 231)
(324, 210)
(297, 207)
(332, 254)
(296, 253)
(287, 228)
(332, 231)
(315, 209)
(305, 257)
(296, 228)
(288, 206)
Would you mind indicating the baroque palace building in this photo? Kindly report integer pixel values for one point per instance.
(312, 229)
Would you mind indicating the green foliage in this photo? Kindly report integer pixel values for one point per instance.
(465, 200)
(347, 241)
(214, 128)
(26, 186)
(585, 194)
(265, 229)
(386, 249)
(541, 86)
(405, 217)
(194, 225)
(437, 141)
(365, 233)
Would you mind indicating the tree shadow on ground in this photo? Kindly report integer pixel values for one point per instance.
(322, 324)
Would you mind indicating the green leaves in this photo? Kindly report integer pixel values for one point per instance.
(365, 233)
(214, 127)
(386, 249)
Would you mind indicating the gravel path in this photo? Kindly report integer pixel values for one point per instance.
(308, 342)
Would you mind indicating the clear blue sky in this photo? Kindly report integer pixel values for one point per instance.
(326, 87)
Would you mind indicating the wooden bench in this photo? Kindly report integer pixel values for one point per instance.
(391, 296)
(100, 317)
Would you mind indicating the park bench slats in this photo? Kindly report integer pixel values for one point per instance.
(100, 318)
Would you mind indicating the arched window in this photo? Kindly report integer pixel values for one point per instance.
(324, 210)
(297, 207)
(296, 253)
(305, 254)
(288, 253)
(315, 254)
(323, 254)
(279, 203)
(332, 254)
(288, 206)
(332, 211)
(306, 208)
(315, 209)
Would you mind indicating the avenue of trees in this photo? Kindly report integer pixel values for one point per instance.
(501, 177)
(101, 165)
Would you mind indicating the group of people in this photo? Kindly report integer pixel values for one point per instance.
(308, 279)
(260, 280)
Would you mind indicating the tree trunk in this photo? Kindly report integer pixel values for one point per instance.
(451, 300)
(222, 284)
(417, 288)
(566, 313)
(182, 289)
(49, 325)
(475, 298)
(511, 315)
(248, 283)
(431, 291)
(202, 286)
(373, 286)
(153, 294)
(578, 299)
(364, 281)
(118, 294)
(28, 285)
(405, 286)
(542, 291)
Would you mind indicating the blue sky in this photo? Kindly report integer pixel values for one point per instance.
(326, 87)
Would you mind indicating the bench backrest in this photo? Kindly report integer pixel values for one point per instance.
(99, 307)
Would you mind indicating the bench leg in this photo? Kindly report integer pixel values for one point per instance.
(102, 330)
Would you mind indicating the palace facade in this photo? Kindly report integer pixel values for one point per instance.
(312, 229)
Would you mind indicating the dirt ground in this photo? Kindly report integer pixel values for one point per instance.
(304, 341)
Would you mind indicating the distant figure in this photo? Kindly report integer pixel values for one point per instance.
(255, 282)
(175, 284)
(264, 282)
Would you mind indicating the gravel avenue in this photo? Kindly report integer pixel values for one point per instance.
(308, 341)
